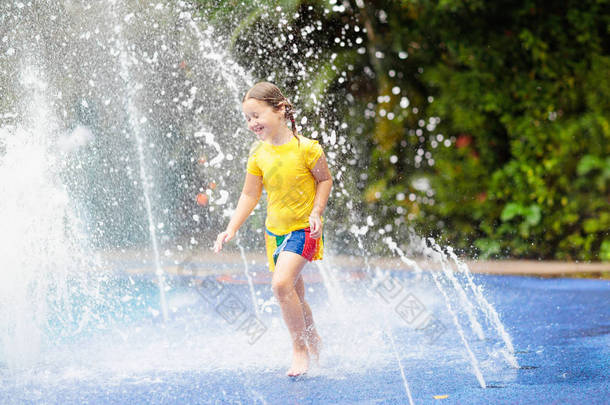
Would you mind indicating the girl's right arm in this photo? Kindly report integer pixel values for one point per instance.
(251, 193)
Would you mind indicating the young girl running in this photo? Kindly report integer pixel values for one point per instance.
(295, 174)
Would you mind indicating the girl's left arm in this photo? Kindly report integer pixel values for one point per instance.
(324, 183)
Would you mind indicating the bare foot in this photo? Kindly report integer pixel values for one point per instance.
(314, 343)
(300, 363)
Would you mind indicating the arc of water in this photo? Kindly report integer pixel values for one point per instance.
(221, 60)
(248, 276)
(387, 328)
(473, 360)
(186, 13)
(134, 125)
(388, 332)
(466, 304)
(332, 286)
(488, 309)
(151, 228)
(358, 233)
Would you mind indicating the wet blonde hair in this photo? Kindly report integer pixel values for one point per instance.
(272, 95)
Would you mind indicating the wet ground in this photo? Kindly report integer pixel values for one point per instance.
(203, 354)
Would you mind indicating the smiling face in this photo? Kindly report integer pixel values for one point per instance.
(262, 119)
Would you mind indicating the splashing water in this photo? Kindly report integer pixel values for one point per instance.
(117, 104)
(488, 309)
(41, 242)
(79, 155)
(473, 361)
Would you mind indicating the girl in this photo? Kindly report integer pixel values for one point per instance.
(295, 174)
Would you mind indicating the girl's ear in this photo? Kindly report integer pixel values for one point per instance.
(281, 109)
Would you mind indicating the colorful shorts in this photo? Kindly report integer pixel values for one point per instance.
(298, 242)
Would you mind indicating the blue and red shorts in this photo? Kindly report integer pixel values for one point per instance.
(299, 242)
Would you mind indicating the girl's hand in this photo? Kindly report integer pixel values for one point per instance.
(315, 226)
(222, 238)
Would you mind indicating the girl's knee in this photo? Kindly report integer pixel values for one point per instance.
(282, 287)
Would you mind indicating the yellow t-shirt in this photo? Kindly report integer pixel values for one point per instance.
(287, 178)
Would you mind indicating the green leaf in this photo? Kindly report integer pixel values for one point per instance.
(510, 211)
(589, 163)
(533, 214)
(488, 247)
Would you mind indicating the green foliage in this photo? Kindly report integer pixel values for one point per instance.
(528, 84)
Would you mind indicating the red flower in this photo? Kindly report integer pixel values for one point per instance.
(463, 140)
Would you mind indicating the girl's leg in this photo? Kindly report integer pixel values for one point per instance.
(311, 334)
(287, 271)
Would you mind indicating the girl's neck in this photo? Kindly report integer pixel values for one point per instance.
(284, 135)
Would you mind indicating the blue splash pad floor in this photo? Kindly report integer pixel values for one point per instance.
(560, 329)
